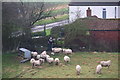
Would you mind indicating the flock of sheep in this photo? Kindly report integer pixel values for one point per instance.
(39, 59)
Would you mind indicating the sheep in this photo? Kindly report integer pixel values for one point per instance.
(98, 69)
(38, 56)
(50, 60)
(95, 52)
(67, 51)
(46, 56)
(35, 62)
(52, 53)
(57, 50)
(78, 69)
(105, 63)
(42, 60)
(57, 61)
(43, 54)
(66, 59)
(34, 54)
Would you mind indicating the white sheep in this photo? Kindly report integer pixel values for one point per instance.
(78, 69)
(47, 56)
(34, 54)
(67, 51)
(43, 54)
(66, 59)
(95, 52)
(57, 61)
(38, 56)
(105, 63)
(98, 69)
(52, 53)
(50, 60)
(35, 62)
(42, 60)
(57, 50)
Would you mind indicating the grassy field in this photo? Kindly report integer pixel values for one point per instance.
(88, 60)
(51, 20)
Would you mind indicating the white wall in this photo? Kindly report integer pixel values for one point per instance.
(96, 10)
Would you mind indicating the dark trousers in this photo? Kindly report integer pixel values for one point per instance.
(50, 46)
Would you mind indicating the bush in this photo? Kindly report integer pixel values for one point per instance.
(38, 44)
(75, 36)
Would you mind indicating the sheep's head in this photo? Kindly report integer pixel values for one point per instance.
(41, 60)
(102, 62)
(32, 52)
(47, 56)
(56, 59)
(52, 49)
(44, 53)
(32, 60)
(109, 60)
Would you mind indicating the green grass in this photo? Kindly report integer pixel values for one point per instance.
(48, 32)
(87, 60)
(47, 21)
(60, 11)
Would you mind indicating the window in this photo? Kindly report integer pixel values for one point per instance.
(104, 13)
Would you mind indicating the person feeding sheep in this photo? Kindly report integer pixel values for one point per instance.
(50, 44)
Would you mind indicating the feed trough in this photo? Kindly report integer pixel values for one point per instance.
(27, 54)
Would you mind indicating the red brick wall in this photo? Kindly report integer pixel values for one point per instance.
(105, 39)
(105, 35)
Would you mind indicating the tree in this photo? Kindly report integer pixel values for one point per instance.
(20, 16)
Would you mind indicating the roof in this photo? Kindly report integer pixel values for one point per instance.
(102, 24)
(93, 3)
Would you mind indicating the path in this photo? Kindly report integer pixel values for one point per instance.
(49, 26)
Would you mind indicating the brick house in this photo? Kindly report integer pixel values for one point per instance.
(103, 32)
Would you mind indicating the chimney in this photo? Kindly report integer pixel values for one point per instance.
(88, 12)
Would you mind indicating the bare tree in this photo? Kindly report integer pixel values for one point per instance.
(32, 12)
(21, 16)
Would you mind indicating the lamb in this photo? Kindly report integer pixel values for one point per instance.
(43, 54)
(46, 56)
(98, 69)
(105, 63)
(52, 53)
(57, 61)
(50, 60)
(38, 56)
(34, 54)
(35, 62)
(67, 51)
(78, 69)
(66, 59)
(57, 50)
(42, 60)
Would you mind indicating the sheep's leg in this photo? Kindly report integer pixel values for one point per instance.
(56, 63)
(78, 73)
(33, 65)
(100, 72)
